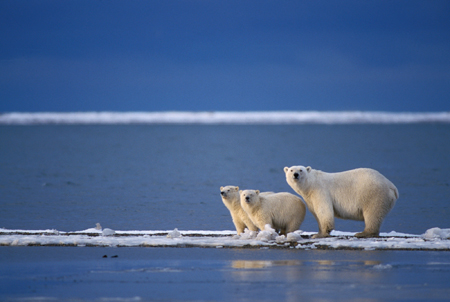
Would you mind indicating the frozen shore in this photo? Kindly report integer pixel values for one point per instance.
(432, 239)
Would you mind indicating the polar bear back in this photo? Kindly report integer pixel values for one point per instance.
(283, 208)
(351, 192)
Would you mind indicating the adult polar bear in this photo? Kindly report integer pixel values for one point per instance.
(361, 194)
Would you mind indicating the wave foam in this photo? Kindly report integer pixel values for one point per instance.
(268, 117)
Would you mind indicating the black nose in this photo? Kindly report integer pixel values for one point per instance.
(222, 193)
(247, 198)
(295, 175)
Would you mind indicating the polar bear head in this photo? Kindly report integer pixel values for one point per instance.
(250, 197)
(296, 175)
(230, 193)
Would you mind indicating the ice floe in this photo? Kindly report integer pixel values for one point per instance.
(432, 239)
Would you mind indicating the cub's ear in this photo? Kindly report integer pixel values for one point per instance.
(240, 191)
(257, 192)
(286, 169)
(308, 168)
(221, 188)
(236, 188)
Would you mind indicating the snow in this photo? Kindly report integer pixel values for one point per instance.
(108, 232)
(174, 234)
(437, 233)
(432, 239)
(255, 117)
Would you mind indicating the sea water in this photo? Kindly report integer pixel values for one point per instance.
(150, 177)
(199, 274)
(161, 177)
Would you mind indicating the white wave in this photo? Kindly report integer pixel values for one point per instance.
(268, 117)
(219, 239)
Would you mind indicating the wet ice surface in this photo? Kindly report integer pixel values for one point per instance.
(139, 274)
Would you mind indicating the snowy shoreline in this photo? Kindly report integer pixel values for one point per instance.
(434, 239)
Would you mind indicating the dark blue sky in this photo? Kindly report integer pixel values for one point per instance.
(224, 55)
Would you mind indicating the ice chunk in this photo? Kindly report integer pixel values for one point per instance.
(174, 234)
(98, 226)
(268, 234)
(108, 232)
(437, 233)
(280, 239)
(248, 235)
(293, 237)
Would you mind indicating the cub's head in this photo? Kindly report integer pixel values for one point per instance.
(229, 192)
(296, 174)
(249, 197)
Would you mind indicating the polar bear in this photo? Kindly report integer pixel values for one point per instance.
(231, 199)
(360, 194)
(282, 211)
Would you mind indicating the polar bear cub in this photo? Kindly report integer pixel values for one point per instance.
(231, 199)
(282, 211)
(361, 194)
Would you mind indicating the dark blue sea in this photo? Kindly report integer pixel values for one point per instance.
(161, 177)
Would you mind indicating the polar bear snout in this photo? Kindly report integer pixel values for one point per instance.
(247, 199)
(223, 193)
(296, 175)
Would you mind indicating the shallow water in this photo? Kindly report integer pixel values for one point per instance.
(147, 177)
(222, 274)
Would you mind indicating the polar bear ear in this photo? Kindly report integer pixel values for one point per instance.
(308, 168)
(286, 169)
(257, 192)
(236, 188)
(221, 188)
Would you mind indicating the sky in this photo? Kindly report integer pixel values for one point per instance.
(109, 55)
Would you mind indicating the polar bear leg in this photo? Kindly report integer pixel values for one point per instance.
(290, 228)
(240, 226)
(372, 225)
(326, 225)
(367, 234)
(251, 226)
(325, 218)
(293, 225)
(324, 229)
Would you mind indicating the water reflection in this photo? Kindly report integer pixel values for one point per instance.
(254, 264)
(294, 279)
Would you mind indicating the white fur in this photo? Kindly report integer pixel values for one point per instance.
(360, 194)
(282, 211)
(231, 199)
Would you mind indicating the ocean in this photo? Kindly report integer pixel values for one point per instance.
(162, 176)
